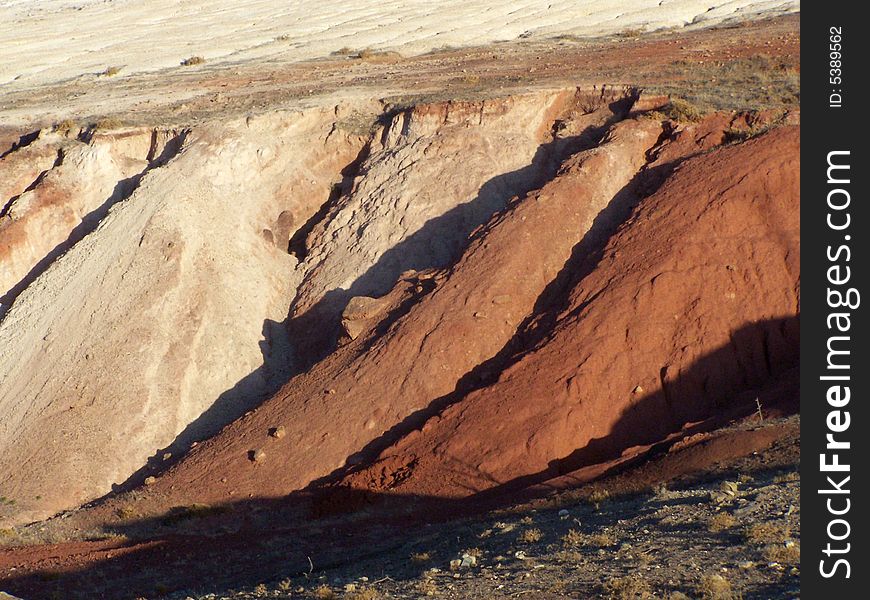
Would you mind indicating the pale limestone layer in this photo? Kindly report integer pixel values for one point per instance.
(48, 41)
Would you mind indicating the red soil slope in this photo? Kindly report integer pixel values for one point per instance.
(691, 310)
(417, 353)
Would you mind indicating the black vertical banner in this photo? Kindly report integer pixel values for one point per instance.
(835, 362)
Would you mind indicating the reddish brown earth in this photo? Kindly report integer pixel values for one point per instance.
(674, 324)
(639, 290)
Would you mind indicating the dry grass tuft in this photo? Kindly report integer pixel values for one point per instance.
(192, 61)
(630, 587)
(426, 587)
(108, 123)
(530, 536)
(421, 557)
(788, 553)
(602, 540)
(111, 71)
(125, 512)
(716, 587)
(572, 539)
(682, 111)
(768, 533)
(378, 56)
(363, 594)
(597, 496)
(194, 511)
(786, 477)
(66, 127)
(324, 592)
(721, 522)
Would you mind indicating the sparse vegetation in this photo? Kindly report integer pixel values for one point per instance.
(597, 496)
(631, 33)
(768, 533)
(126, 512)
(572, 538)
(375, 56)
(682, 111)
(716, 587)
(602, 540)
(787, 553)
(194, 511)
(749, 83)
(720, 522)
(787, 477)
(630, 587)
(427, 587)
(66, 126)
(363, 594)
(111, 71)
(421, 557)
(192, 61)
(530, 536)
(324, 592)
(107, 123)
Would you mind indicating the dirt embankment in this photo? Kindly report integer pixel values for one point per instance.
(636, 282)
(183, 277)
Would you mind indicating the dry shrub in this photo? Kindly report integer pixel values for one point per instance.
(631, 587)
(572, 538)
(192, 61)
(530, 536)
(682, 111)
(716, 587)
(721, 522)
(376, 56)
(786, 553)
(324, 592)
(768, 533)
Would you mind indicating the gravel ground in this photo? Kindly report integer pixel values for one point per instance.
(730, 532)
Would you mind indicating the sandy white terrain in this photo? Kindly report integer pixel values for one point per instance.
(46, 41)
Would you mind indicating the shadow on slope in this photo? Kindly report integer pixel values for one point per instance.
(243, 543)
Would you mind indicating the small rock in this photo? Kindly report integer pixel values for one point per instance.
(746, 564)
(501, 299)
(150, 480)
(167, 455)
(563, 514)
(278, 432)
(455, 564)
(479, 315)
(257, 455)
(468, 561)
(638, 389)
(520, 555)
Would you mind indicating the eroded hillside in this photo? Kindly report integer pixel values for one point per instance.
(367, 310)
